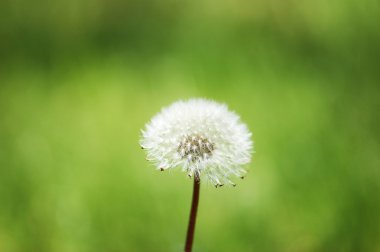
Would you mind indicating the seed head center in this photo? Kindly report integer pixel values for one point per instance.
(195, 148)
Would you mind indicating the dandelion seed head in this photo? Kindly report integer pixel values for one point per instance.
(202, 137)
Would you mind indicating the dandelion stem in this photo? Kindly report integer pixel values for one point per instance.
(193, 215)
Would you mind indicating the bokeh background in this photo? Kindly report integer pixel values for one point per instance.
(79, 79)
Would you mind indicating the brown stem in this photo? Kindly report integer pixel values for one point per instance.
(193, 215)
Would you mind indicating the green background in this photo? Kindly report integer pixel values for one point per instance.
(79, 79)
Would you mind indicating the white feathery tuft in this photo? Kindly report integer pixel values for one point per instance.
(201, 136)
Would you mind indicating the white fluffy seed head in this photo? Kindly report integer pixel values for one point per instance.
(201, 136)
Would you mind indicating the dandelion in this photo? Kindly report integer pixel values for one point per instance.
(204, 139)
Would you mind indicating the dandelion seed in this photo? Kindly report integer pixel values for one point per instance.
(201, 137)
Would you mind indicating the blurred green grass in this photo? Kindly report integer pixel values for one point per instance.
(80, 79)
